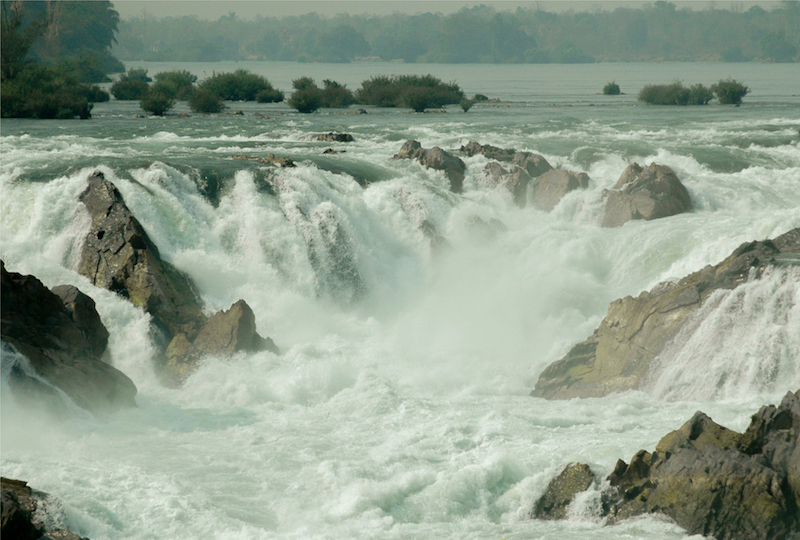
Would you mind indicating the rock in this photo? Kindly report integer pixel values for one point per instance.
(64, 351)
(650, 193)
(118, 255)
(334, 137)
(474, 148)
(225, 333)
(574, 479)
(360, 111)
(531, 163)
(714, 481)
(438, 159)
(269, 159)
(636, 330)
(550, 187)
(332, 151)
(24, 514)
(515, 182)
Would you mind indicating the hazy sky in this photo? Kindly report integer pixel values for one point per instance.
(213, 9)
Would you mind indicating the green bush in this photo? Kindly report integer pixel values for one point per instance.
(414, 91)
(700, 95)
(241, 85)
(307, 96)
(45, 93)
(203, 101)
(336, 96)
(95, 94)
(611, 89)
(131, 85)
(730, 92)
(466, 104)
(156, 101)
(480, 97)
(269, 96)
(178, 82)
(665, 94)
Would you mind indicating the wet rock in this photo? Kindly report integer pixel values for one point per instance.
(531, 163)
(474, 148)
(118, 255)
(438, 159)
(515, 181)
(269, 159)
(64, 347)
(23, 514)
(574, 479)
(334, 137)
(225, 333)
(329, 151)
(550, 187)
(650, 193)
(619, 354)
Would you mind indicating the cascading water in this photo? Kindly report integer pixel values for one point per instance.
(413, 321)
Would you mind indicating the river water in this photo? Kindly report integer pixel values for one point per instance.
(400, 407)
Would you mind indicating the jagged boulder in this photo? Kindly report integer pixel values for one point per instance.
(64, 346)
(438, 159)
(269, 159)
(334, 137)
(549, 188)
(225, 333)
(515, 181)
(23, 514)
(531, 163)
(474, 148)
(118, 255)
(650, 193)
(574, 479)
(711, 480)
(619, 354)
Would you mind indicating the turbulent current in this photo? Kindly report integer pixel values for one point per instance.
(400, 407)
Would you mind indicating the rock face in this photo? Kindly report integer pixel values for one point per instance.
(335, 137)
(550, 187)
(438, 159)
(574, 479)
(620, 352)
(225, 333)
(63, 343)
(531, 163)
(650, 193)
(515, 181)
(716, 482)
(22, 519)
(119, 256)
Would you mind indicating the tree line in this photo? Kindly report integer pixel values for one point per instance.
(481, 34)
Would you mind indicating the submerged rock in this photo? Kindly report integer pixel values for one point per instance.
(635, 331)
(269, 159)
(438, 159)
(550, 187)
(574, 479)
(650, 193)
(64, 345)
(714, 481)
(24, 512)
(334, 137)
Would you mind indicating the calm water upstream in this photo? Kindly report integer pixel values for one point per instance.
(399, 407)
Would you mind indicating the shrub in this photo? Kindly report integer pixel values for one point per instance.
(178, 83)
(466, 104)
(336, 96)
(665, 94)
(95, 94)
(241, 85)
(307, 96)
(414, 91)
(611, 89)
(269, 96)
(156, 101)
(700, 95)
(203, 101)
(44, 92)
(131, 85)
(730, 92)
(480, 97)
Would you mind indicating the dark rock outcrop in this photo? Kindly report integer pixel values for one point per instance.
(438, 159)
(636, 330)
(64, 345)
(118, 255)
(716, 482)
(650, 193)
(225, 333)
(531, 163)
(549, 188)
(515, 181)
(22, 519)
(269, 159)
(574, 479)
(334, 137)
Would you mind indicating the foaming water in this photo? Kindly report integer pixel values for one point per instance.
(413, 321)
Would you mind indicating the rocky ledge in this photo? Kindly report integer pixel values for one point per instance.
(437, 159)
(619, 354)
(24, 512)
(118, 255)
(709, 479)
(64, 341)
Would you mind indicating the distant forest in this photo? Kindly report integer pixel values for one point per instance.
(659, 32)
